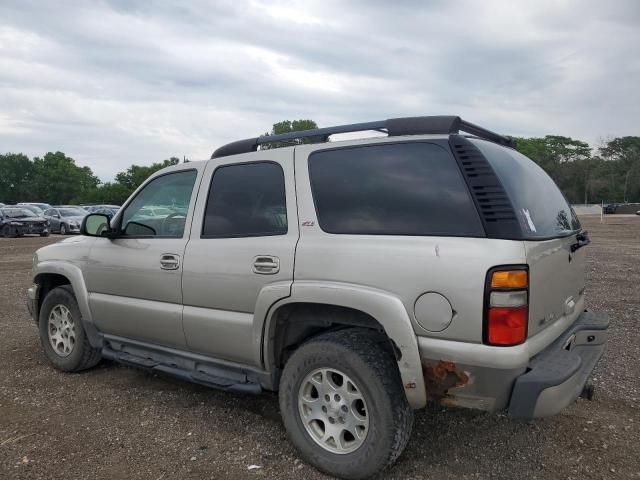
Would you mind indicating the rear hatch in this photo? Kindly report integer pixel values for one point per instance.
(551, 234)
(556, 281)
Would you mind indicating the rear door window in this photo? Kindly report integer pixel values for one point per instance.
(246, 200)
(411, 188)
(541, 208)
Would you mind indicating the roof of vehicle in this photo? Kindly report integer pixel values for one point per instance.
(393, 127)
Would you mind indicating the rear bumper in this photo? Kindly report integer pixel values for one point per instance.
(557, 375)
(528, 380)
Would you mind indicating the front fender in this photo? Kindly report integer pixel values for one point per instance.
(387, 309)
(74, 274)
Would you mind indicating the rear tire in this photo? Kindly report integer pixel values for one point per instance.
(62, 334)
(364, 358)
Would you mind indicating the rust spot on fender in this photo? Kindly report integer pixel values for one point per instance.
(441, 377)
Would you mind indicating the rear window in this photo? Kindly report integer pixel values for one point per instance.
(542, 210)
(393, 189)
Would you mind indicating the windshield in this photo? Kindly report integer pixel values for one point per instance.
(33, 208)
(17, 212)
(72, 212)
(541, 208)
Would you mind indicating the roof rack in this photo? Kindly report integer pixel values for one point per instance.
(393, 127)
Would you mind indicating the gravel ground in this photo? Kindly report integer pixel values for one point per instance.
(118, 422)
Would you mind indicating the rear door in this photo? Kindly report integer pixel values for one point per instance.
(550, 227)
(239, 259)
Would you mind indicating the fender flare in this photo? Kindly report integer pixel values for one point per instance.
(76, 279)
(386, 308)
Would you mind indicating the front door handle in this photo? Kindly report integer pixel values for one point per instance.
(169, 261)
(266, 265)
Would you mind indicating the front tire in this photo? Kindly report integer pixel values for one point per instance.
(63, 229)
(62, 334)
(8, 232)
(44, 234)
(343, 404)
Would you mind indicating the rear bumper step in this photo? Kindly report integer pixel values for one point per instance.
(558, 375)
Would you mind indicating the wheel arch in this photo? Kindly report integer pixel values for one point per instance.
(51, 274)
(315, 307)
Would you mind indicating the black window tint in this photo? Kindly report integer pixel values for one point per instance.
(542, 210)
(246, 200)
(394, 189)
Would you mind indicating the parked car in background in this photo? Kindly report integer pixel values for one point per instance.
(610, 209)
(16, 221)
(65, 219)
(108, 210)
(95, 208)
(41, 206)
(33, 209)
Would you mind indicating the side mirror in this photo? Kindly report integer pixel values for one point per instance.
(95, 225)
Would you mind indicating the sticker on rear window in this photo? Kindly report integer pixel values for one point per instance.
(527, 215)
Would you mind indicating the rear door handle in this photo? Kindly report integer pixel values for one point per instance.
(169, 261)
(266, 265)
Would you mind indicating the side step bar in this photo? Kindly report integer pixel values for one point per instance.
(198, 376)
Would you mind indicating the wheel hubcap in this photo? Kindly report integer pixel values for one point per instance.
(333, 410)
(62, 330)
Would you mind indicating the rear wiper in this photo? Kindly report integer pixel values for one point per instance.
(582, 240)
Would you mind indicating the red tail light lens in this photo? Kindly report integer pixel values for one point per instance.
(506, 326)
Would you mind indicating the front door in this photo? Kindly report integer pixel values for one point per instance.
(134, 280)
(239, 259)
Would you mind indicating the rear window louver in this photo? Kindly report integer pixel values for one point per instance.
(493, 204)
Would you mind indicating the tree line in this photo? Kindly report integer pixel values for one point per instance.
(56, 179)
(607, 173)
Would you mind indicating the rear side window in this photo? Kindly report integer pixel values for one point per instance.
(246, 200)
(394, 189)
(541, 208)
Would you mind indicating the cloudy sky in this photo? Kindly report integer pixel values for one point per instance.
(113, 83)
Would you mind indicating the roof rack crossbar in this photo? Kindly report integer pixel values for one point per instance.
(393, 127)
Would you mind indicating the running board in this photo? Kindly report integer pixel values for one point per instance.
(233, 383)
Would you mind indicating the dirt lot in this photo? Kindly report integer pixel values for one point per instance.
(117, 422)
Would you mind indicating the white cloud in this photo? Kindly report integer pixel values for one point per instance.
(122, 82)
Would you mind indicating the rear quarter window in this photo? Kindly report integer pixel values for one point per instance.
(392, 189)
(541, 208)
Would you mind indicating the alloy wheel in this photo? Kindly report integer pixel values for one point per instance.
(62, 330)
(333, 410)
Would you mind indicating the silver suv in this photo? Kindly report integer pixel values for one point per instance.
(360, 279)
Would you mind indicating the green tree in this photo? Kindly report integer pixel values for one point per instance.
(133, 176)
(111, 193)
(624, 152)
(58, 180)
(288, 126)
(16, 174)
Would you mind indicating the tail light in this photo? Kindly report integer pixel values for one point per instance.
(506, 306)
